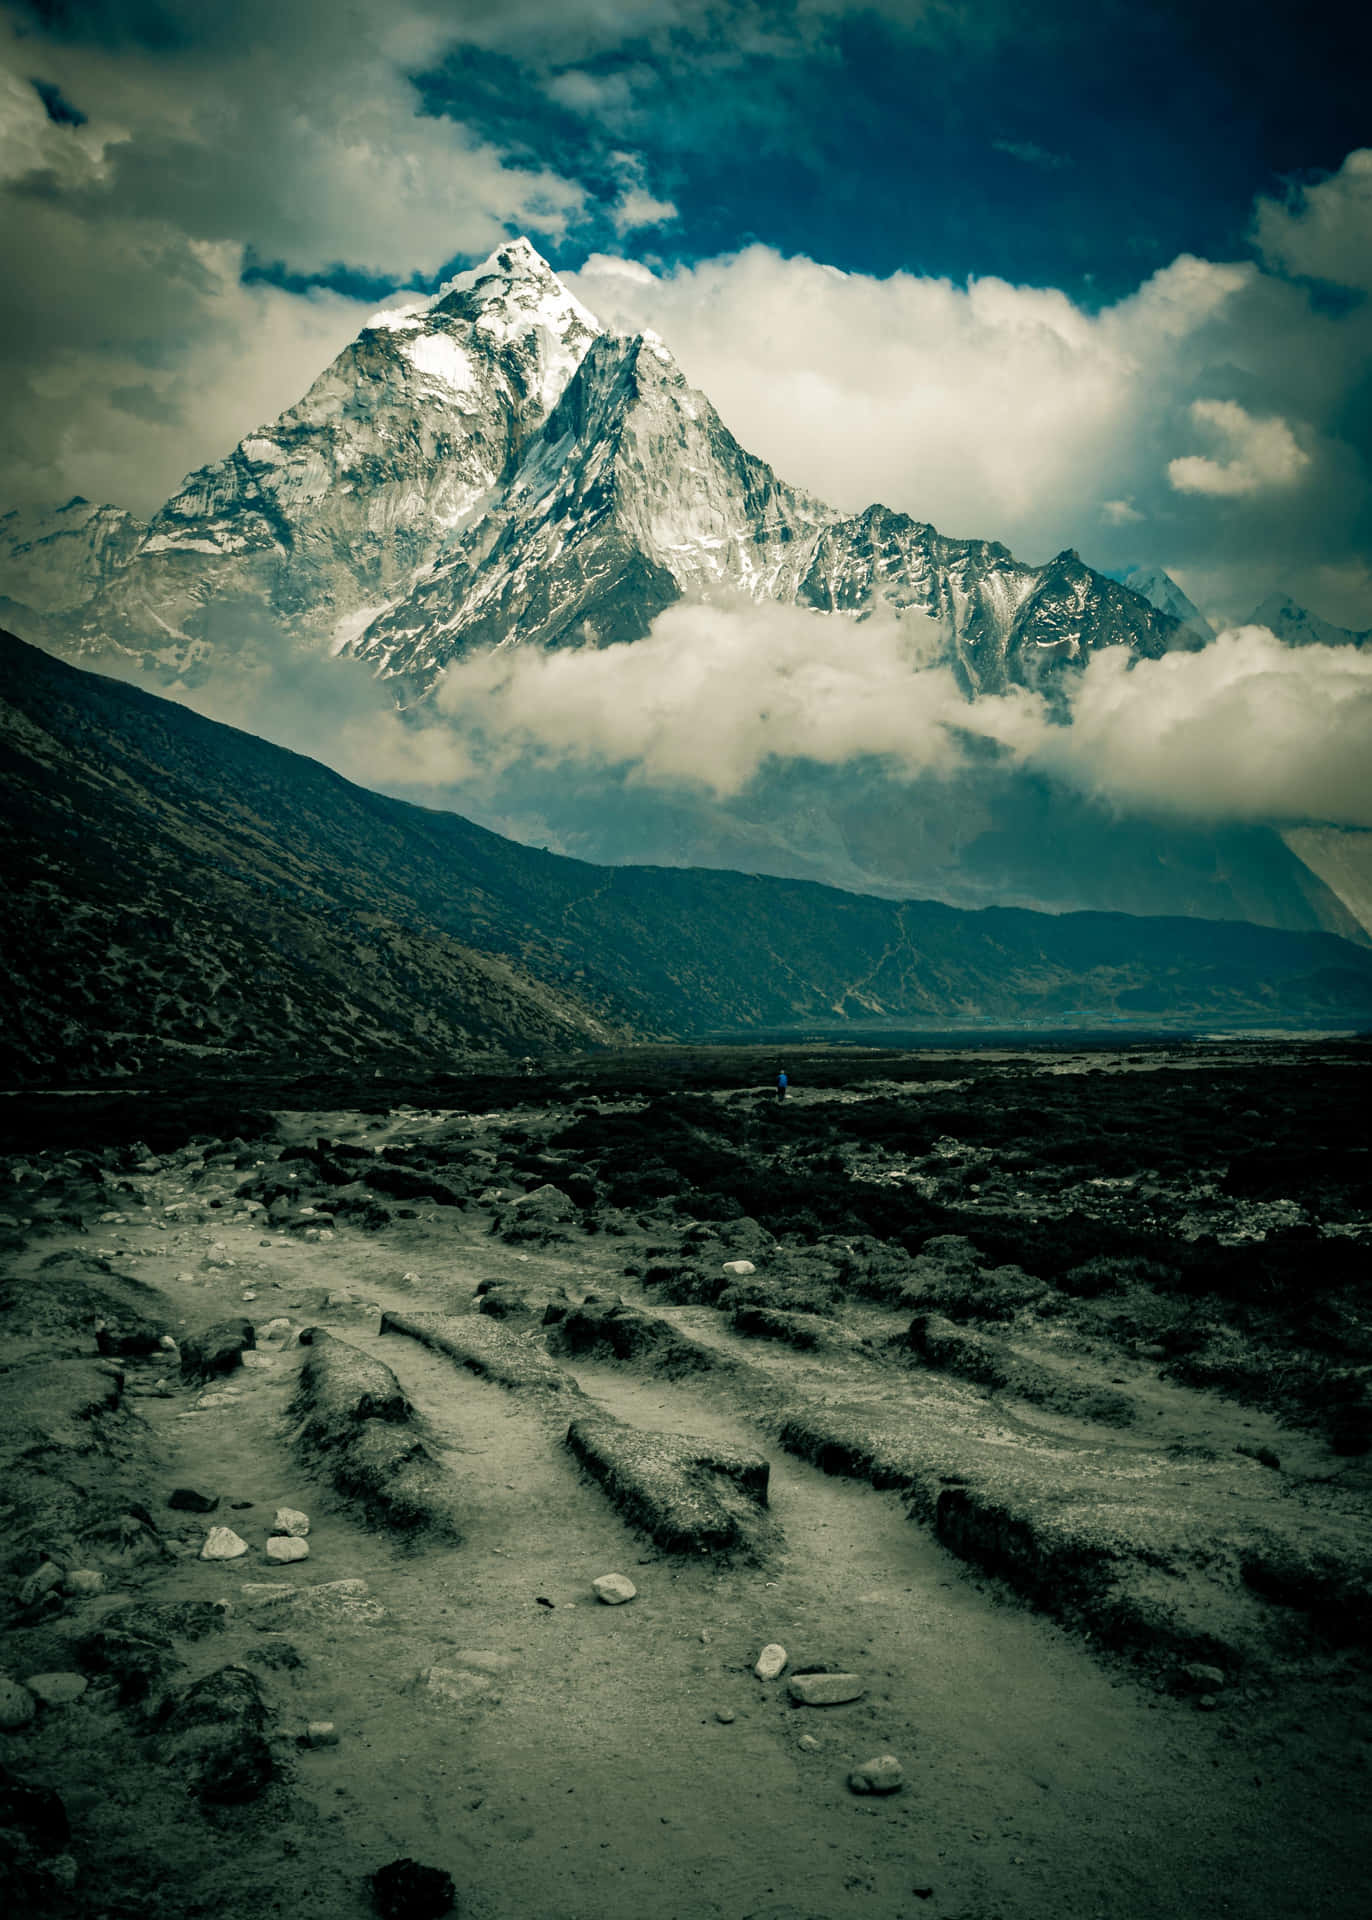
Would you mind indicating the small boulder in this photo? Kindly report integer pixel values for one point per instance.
(222, 1543)
(739, 1269)
(1197, 1677)
(825, 1689)
(405, 1890)
(56, 1689)
(284, 1547)
(48, 1576)
(84, 1581)
(17, 1706)
(770, 1662)
(884, 1774)
(188, 1500)
(292, 1521)
(216, 1349)
(614, 1589)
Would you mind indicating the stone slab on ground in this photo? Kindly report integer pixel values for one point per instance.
(485, 1348)
(688, 1495)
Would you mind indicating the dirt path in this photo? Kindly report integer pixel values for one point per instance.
(584, 1762)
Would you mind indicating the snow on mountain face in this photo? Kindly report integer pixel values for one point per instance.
(635, 493)
(55, 561)
(492, 468)
(1298, 627)
(332, 511)
(1160, 590)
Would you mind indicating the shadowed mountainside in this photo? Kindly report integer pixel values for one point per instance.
(175, 888)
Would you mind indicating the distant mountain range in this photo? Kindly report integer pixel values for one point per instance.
(177, 891)
(494, 469)
(1294, 624)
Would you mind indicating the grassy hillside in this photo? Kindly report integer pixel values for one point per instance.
(175, 887)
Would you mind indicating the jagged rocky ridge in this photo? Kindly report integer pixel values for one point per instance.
(493, 469)
(178, 892)
(496, 468)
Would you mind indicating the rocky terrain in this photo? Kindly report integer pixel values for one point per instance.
(180, 894)
(943, 1492)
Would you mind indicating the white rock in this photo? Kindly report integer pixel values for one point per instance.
(884, 1774)
(84, 1580)
(282, 1547)
(739, 1268)
(276, 1332)
(56, 1689)
(258, 1362)
(17, 1705)
(613, 1589)
(770, 1662)
(167, 1344)
(218, 1256)
(222, 1543)
(292, 1521)
(825, 1689)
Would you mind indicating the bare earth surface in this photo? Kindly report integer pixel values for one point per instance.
(564, 1759)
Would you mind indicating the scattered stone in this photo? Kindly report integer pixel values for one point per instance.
(48, 1576)
(740, 1269)
(405, 1890)
(825, 1689)
(808, 1743)
(57, 1689)
(222, 1543)
(217, 1349)
(770, 1662)
(276, 1332)
(283, 1547)
(218, 1256)
(84, 1581)
(884, 1774)
(167, 1344)
(319, 1733)
(614, 1589)
(17, 1706)
(1197, 1677)
(258, 1362)
(725, 1716)
(292, 1521)
(188, 1500)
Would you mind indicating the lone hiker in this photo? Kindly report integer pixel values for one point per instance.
(781, 1084)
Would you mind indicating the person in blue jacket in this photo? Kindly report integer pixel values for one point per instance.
(781, 1084)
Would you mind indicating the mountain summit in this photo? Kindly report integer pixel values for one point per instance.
(492, 466)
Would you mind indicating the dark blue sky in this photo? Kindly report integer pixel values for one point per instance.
(1082, 148)
(1075, 143)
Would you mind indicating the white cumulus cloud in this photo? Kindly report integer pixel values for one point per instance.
(1262, 453)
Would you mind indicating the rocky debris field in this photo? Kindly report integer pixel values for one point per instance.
(617, 1492)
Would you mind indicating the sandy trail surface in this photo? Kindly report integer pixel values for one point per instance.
(575, 1761)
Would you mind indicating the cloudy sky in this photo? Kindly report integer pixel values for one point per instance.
(1087, 274)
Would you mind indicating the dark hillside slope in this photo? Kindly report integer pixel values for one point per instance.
(173, 884)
